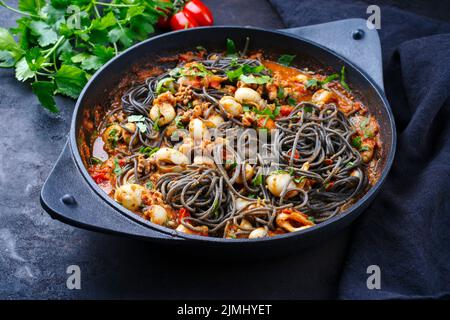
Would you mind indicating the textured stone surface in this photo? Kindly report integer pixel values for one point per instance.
(36, 250)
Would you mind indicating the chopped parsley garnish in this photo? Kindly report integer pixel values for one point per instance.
(138, 119)
(356, 142)
(178, 122)
(255, 80)
(342, 79)
(292, 101)
(286, 59)
(280, 93)
(299, 179)
(135, 118)
(231, 48)
(267, 112)
(117, 167)
(308, 109)
(164, 85)
(231, 163)
(113, 137)
(148, 151)
(95, 160)
(365, 129)
(258, 180)
(149, 185)
(242, 70)
(314, 84)
(215, 209)
(349, 164)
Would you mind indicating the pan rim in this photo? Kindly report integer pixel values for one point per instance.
(348, 214)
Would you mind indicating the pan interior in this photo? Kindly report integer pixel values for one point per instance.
(271, 43)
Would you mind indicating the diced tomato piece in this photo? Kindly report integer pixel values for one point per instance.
(266, 123)
(183, 213)
(286, 110)
(296, 154)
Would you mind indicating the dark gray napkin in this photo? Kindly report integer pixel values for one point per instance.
(406, 231)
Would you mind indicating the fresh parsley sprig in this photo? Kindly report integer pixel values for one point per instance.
(61, 43)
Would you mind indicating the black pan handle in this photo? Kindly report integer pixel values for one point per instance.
(350, 38)
(66, 196)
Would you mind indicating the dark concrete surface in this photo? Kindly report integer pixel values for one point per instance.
(36, 250)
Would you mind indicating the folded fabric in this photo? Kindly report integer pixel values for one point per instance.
(406, 231)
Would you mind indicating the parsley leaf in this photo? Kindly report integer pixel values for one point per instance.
(342, 79)
(148, 151)
(44, 33)
(258, 180)
(117, 167)
(231, 48)
(23, 71)
(70, 80)
(252, 79)
(31, 6)
(286, 59)
(356, 142)
(44, 90)
(6, 59)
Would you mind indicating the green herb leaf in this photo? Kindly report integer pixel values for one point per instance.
(148, 151)
(356, 142)
(299, 179)
(257, 80)
(123, 35)
(136, 118)
(45, 90)
(117, 167)
(232, 164)
(31, 6)
(349, 164)
(142, 127)
(244, 69)
(7, 43)
(231, 48)
(104, 22)
(23, 71)
(165, 85)
(342, 79)
(70, 80)
(292, 102)
(95, 160)
(6, 59)
(280, 93)
(286, 59)
(178, 122)
(364, 148)
(44, 33)
(258, 180)
(34, 59)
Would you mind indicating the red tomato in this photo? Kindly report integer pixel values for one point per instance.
(296, 154)
(199, 12)
(100, 176)
(286, 110)
(164, 21)
(329, 185)
(183, 213)
(266, 123)
(182, 20)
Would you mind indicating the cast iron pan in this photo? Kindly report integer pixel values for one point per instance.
(70, 195)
